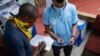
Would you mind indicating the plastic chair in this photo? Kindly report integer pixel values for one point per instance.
(93, 43)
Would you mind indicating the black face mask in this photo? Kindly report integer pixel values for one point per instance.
(60, 1)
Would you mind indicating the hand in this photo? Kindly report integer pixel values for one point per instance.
(41, 45)
(59, 40)
(72, 40)
(39, 49)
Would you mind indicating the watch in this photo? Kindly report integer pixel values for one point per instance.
(73, 36)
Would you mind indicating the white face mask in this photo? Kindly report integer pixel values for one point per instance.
(59, 9)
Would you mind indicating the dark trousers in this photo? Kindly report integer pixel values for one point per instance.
(67, 50)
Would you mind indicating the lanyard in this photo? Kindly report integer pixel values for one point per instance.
(59, 14)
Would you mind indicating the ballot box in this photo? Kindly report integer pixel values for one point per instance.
(81, 30)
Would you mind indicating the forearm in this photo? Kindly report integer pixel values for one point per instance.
(36, 51)
(49, 31)
(52, 34)
(74, 30)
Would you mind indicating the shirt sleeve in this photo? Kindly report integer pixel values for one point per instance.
(74, 15)
(45, 17)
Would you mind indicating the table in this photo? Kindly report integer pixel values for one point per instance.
(87, 9)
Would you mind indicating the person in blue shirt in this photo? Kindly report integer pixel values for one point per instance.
(60, 21)
(16, 35)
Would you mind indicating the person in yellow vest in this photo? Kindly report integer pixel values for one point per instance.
(16, 34)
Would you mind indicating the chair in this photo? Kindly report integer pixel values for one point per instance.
(93, 43)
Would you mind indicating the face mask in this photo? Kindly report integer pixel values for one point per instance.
(58, 9)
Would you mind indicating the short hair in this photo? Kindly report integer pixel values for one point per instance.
(28, 10)
(59, 1)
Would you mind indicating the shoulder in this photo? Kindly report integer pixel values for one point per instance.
(47, 9)
(12, 22)
(71, 6)
(10, 26)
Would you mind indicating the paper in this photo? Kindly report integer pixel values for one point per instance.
(38, 38)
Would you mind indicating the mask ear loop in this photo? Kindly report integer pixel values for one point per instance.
(65, 3)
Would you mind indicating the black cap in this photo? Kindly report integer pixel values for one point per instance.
(60, 1)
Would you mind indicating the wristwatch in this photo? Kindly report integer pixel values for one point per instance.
(73, 36)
